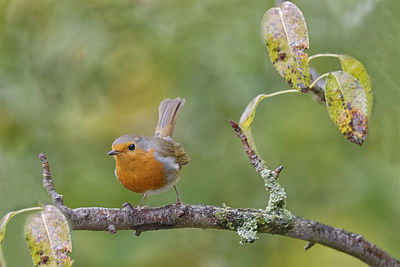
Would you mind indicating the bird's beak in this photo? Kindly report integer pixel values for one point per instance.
(113, 152)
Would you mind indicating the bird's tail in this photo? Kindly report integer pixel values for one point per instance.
(167, 113)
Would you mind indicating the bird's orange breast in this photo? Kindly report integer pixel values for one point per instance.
(140, 171)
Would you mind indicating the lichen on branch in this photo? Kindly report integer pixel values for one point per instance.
(276, 209)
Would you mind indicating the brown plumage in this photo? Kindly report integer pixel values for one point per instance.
(151, 165)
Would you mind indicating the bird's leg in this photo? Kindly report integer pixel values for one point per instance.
(141, 202)
(178, 201)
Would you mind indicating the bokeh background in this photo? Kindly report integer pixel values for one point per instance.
(74, 75)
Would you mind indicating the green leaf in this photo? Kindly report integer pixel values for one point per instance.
(3, 224)
(358, 71)
(285, 32)
(346, 101)
(48, 238)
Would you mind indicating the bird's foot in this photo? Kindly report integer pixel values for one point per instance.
(179, 202)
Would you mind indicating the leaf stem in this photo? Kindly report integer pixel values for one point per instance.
(321, 55)
(6, 218)
(28, 209)
(319, 78)
(281, 92)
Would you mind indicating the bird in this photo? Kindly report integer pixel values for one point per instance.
(151, 165)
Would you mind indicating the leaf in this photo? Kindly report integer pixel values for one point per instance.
(3, 224)
(286, 37)
(346, 101)
(358, 71)
(4, 221)
(48, 238)
(246, 120)
(248, 115)
(2, 262)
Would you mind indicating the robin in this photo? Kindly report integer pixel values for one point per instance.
(151, 165)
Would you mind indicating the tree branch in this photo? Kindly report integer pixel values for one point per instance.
(275, 219)
(318, 90)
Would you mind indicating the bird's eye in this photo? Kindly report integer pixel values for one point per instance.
(131, 147)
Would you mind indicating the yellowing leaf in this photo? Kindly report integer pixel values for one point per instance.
(357, 70)
(347, 105)
(3, 224)
(48, 237)
(285, 32)
(246, 120)
(248, 115)
(2, 262)
(4, 221)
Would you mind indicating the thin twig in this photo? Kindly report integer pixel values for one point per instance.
(255, 161)
(48, 182)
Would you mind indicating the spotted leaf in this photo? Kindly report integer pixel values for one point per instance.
(48, 238)
(285, 33)
(357, 70)
(347, 105)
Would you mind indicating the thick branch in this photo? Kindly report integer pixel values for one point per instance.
(243, 221)
(211, 217)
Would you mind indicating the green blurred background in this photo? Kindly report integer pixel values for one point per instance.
(74, 75)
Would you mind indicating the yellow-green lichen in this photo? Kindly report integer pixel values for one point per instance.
(281, 218)
(221, 216)
(276, 212)
(248, 230)
(260, 219)
(277, 195)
